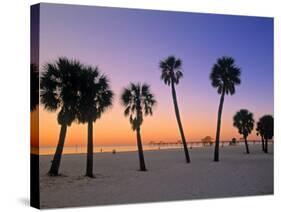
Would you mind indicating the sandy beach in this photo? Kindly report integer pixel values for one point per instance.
(168, 177)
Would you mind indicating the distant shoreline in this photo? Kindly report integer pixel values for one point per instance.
(68, 150)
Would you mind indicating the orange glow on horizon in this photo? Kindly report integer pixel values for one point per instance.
(114, 129)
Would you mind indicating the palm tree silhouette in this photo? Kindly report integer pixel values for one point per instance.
(225, 75)
(266, 129)
(95, 97)
(138, 101)
(59, 92)
(260, 133)
(34, 87)
(171, 74)
(243, 120)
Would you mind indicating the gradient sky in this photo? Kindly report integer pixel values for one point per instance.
(127, 45)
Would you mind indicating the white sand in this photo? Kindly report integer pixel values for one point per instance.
(168, 177)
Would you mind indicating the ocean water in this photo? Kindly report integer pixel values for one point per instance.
(77, 149)
(99, 149)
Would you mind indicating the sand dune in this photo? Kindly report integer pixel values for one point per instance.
(168, 177)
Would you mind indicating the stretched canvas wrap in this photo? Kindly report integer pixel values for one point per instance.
(133, 106)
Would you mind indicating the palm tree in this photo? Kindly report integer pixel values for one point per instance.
(244, 122)
(266, 129)
(225, 75)
(95, 97)
(59, 92)
(171, 74)
(34, 87)
(260, 133)
(138, 101)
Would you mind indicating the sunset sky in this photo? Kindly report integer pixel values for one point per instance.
(127, 46)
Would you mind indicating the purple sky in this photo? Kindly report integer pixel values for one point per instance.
(127, 45)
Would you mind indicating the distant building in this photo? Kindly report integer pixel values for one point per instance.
(208, 140)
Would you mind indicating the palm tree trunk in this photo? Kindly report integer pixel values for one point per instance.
(89, 168)
(179, 122)
(262, 142)
(246, 143)
(140, 150)
(54, 170)
(266, 146)
(216, 153)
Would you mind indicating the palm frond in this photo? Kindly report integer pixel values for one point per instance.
(244, 122)
(171, 70)
(225, 75)
(265, 126)
(95, 94)
(137, 100)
